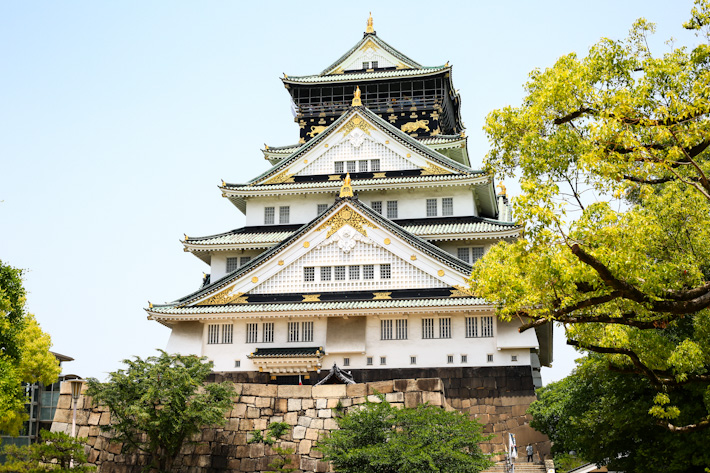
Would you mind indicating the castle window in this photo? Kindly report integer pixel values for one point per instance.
(464, 358)
(374, 165)
(412, 360)
(391, 209)
(269, 213)
(237, 363)
(293, 331)
(385, 271)
(346, 361)
(401, 329)
(212, 334)
(368, 271)
(374, 64)
(227, 333)
(365, 65)
(354, 272)
(489, 358)
(232, 264)
(449, 359)
(427, 328)
(445, 327)
(431, 208)
(514, 358)
(244, 260)
(213, 331)
(325, 273)
(307, 331)
(309, 274)
(284, 214)
(268, 332)
(470, 254)
(339, 167)
(486, 326)
(471, 327)
(351, 166)
(369, 361)
(386, 329)
(322, 208)
(377, 206)
(447, 206)
(252, 333)
(340, 273)
(383, 360)
(363, 166)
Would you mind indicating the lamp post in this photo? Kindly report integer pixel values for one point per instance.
(75, 393)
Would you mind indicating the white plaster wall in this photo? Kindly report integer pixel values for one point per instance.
(185, 339)
(218, 266)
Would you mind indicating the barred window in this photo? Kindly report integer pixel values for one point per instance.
(374, 165)
(369, 361)
(309, 273)
(464, 358)
(365, 65)
(269, 213)
(447, 206)
(227, 333)
(471, 327)
(351, 166)
(386, 329)
(244, 260)
(401, 329)
(374, 64)
(368, 271)
(340, 273)
(412, 360)
(212, 334)
(427, 328)
(354, 272)
(363, 166)
(293, 331)
(267, 335)
(385, 271)
(383, 360)
(377, 206)
(237, 363)
(445, 327)
(431, 207)
(476, 253)
(489, 358)
(486, 326)
(470, 255)
(307, 331)
(513, 357)
(339, 167)
(391, 209)
(284, 212)
(322, 208)
(325, 273)
(346, 361)
(464, 254)
(232, 264)
(449, 359)
(252, 333)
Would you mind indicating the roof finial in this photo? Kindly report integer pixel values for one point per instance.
(502, 189)
(370, 28)
(346, 190)
(356, 98)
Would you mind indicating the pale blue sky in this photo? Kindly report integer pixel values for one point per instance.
(118, 120)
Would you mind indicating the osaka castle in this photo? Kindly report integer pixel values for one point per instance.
(359, 242)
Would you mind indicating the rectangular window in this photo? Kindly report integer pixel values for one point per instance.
(489, 358)
(363, 166)
(267, 335)
(284, 212)
(237, 363)
(385, 271)
(391, 209)
(293, 331)
(252, 333)
(427, 328)
(244, 260)
(351, 166)
(476, 253)
(486, 326)
(400, 329)
(447, 206)
(449, 359)
(227, 333)
(354, 272)
(464, 254)
(412, 360)
(346, 361)
(307, 331)
(325, 273)
(377, 206)
(269, 213)
(471, 327)
(212, 334)
(340, 273)
(322, 208)
(309, 274)
(513, 357)
(339, 167)
(365, 65)
(445, 327)
(232, 264)
(431, 207)
(383, 360)
(368, 271)
(464, 358)
(374, 165)
(374, 64)
(385, 329)
(369, 361)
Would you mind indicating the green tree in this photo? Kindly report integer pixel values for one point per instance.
(55, 452)
(276, 430)
(380, 438)
(24, 351)
(602, 416)
(156, 404)
(612, 154)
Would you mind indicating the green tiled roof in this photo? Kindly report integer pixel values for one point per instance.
(287, 352)
(365, 76)
(241, 238)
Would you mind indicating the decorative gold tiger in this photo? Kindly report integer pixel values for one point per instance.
(414, 126)
(315, 130)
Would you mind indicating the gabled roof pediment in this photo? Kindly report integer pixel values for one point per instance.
(371, 48)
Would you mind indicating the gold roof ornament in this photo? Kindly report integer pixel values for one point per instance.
(356, 98)
(346, 190)
(502, 189)
(370, 28)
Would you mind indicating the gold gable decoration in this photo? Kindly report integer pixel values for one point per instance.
(369, 44)
(370, 28)
(346, 190)
(281, 177)
(356, 122)
(433, 169)
(461, 291)
(346, 216)
(223, 297)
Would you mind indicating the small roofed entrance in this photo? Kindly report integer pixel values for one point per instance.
(289, 366)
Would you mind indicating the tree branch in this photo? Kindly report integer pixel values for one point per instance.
(702, 425)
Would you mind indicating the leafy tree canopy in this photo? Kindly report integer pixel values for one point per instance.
(24, 350)
(380, 438)
(156, 404)
(55, 452)
(612, 154)
(602, 416)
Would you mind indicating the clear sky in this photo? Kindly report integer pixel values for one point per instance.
(119, 119)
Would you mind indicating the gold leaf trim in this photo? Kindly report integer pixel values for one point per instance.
(281, 177)
(346, 216)
(462, 291)
(387, 241)
(440, 272)
(381, 295)
(223, 297)
(356, 122)
(433, 169)
(377, 175)
(311, 298)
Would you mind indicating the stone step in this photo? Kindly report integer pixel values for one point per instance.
(520, 467)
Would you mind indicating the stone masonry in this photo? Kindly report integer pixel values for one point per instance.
(309, 410)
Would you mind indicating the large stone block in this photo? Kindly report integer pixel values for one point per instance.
(394, 397)
(356, 390)
(381, 387)
(238, 411)
(304, 421)
(264, 402)
(321, 403)
(412, 399)
(289, 391)
(304, 447)
(260, 390)
(253, 412)
(430, 384)
(294, 404)
(299, 432)
(325, 413)
(291, 418)
(330, 390)
(281, 405)
(330, 424)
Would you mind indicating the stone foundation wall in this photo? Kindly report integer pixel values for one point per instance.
(308, 409)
